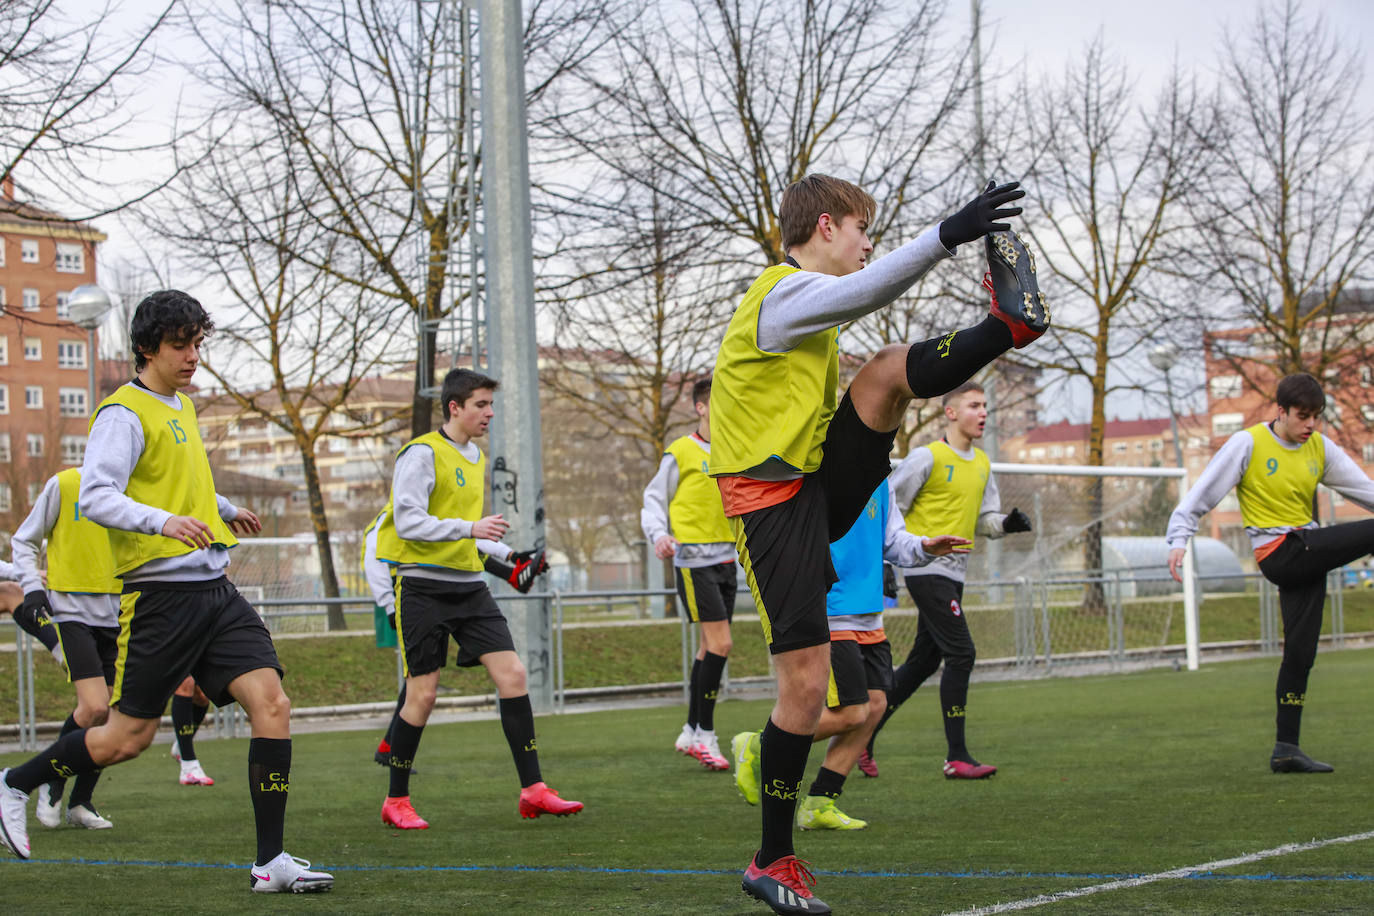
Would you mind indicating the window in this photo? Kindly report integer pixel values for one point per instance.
(1068, 452)
(2, 251)
(33, 397)
(30, 300)
(1156, 444)
(1037, 454)
(1367, 411)
(1056, 451)
(71, 354)
(4, 398)
(73, 449)
(71, 402)
(1367, 451)
(28, 251)
(1120, 448)
(71, 258)
(4, 497)
(33, 490)
(1366, 372)
(4, 350)
(63, 309)
(1225, 386)
(35, 445)
(33, 349)
(1139, 447)
(4, 448)
(1224, 424)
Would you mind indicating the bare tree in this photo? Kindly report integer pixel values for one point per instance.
(1285, 220)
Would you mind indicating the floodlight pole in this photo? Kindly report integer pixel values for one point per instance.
(516, 456)
(1163, 358)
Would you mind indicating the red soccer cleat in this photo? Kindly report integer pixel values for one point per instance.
(960, 769)
(867, 765)
(785, 886)
(540, 799)
(1016, 298)
(400, 813)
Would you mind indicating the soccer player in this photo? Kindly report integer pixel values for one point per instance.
(431, 536)
(860, 657)
(682, 517)
(947, 486)
(189, 706)
(795, 468)
(1275, 468)
(147, 480)
(82, 599)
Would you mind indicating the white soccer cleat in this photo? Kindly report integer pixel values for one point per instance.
(14, 827)
(686, 741)
(707, 750)
(193, 775)
(81, 816)
(286, 873)
(176, 750)
(48, 811)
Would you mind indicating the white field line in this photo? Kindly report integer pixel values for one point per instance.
(1184, 872)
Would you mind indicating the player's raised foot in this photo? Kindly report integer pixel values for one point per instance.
(288, 874)
(686, 741)
(88, 817)
(540, 799)
(707, 750)
(785, 885)
(14, 826)
(193, 774)
(1289, 758)
(399, 812)
(964, 769)
(867, 765)
(1016, 298)
(818, 812)
(745, 748)
(48, 808)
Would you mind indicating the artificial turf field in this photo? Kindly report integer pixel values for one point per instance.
(1102, 779)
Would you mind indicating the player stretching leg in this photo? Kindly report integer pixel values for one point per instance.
(682, 517)
(1275, 468)
(795, 468)
(947, 486)
(82, 601)
(431, 536)
(147, 480)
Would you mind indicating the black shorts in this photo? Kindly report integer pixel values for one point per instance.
(940, 608)
(430, 611)
(855, 669)
(708, 592)
(855, 460)
(168, 630)
(90, 651)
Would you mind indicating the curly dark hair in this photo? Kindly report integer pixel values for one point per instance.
(170, 315)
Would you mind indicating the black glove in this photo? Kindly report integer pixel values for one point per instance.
(889, 581)
(978, 217)
(1015, 521)
(34, 617)
(391, 619)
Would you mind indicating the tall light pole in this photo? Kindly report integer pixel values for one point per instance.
(87, 307)
(1164, 357)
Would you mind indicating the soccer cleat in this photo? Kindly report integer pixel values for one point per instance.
(540, 799)
(686, 741)
(288, 873)
(48, 809)
(962, 769)
(84, 816)
(867, 765)
(1016, 298)
(818, 812)
(176, 750)
(14, 827)
(192, 774)
(707, 750)
(745, 747)
(1289, 758)
(400, 813)
(785, 886)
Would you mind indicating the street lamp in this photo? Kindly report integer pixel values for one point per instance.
(87, 307)
(1163, 358)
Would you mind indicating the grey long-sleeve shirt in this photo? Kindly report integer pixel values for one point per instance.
(412, 483)
(112, 453)
(1341, 473)
(92, 610)
(907, 480)
(10, 571)
(655, 523)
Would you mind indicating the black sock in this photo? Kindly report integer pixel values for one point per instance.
(1290, 694)
(405, 741)
(782, 766)
(828, 783)
(198, 713)
(709, 685)
(60, 785)
(941, 364)
(269, 780)
(517, 721)
(82, 787)
(953, 700)
(64, 758)
(184, 726)
(694, 693)
(385, 746)
(41, 629)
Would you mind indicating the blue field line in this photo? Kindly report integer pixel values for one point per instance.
(694, 872)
